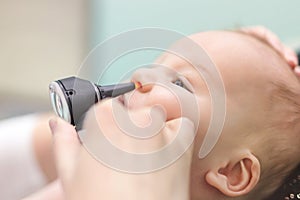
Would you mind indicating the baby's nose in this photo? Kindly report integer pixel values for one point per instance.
(144, 75)
(147, 77)
(145, 88)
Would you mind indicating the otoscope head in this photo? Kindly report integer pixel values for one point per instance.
(72, 97)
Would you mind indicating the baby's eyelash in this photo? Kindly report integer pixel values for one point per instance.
(180, 83)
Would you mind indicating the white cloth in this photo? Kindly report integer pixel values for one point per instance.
(20, 174)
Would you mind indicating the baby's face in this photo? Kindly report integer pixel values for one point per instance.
(248, 70)
(175, 89)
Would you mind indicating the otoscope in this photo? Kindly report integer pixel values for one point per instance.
(72, 97)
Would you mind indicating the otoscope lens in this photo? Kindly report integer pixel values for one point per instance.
(59, 103)
(58, 106)
(53, 97)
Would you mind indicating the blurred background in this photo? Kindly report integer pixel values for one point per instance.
(43, 40)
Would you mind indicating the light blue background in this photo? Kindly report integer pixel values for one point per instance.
(110, 17)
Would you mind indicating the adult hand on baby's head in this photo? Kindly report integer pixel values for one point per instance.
(271, 39)
(83, 177)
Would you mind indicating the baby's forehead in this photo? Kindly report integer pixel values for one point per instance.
(240, 59)
(229, 50)
(212, 43)
(179, 65)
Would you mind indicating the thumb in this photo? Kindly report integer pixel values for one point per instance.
(66, 147)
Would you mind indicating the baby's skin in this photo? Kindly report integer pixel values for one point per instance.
(232, 169)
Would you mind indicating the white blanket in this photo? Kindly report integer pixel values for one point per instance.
(20, 174)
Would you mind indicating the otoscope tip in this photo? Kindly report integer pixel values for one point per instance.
(138, 85)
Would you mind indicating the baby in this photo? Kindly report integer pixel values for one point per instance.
(259, 143)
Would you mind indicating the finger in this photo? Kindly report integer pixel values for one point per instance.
(271, 38)
(265, 35)
(291, 57)
(297, 71)
(53, 191)
(66, 146)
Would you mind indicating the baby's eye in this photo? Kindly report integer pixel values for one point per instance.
(180, 83)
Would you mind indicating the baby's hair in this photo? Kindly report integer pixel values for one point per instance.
(281, 140)
(290, 189)
(284, 153)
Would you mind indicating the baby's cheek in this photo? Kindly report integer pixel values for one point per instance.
(157, 97)
(169, 102)
(140, 117)
(203, 123)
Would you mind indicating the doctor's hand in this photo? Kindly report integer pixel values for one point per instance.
(84, 177)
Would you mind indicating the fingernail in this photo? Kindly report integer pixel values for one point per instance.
(297, 70)
(292, 60)
(53, 124)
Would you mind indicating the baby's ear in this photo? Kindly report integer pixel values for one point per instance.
(235, 178)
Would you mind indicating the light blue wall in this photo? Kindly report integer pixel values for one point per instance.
(110, 17)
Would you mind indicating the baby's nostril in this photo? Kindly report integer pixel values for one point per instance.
(145, 88)
(138, 85)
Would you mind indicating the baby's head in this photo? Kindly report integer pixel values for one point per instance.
(259, 144)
